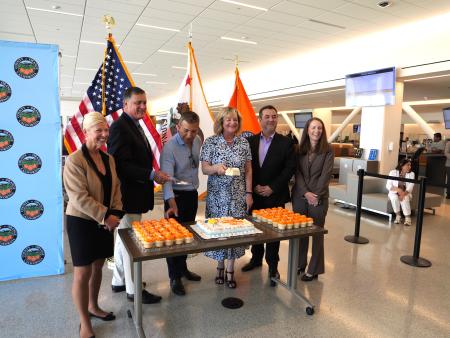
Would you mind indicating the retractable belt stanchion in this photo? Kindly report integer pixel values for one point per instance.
(356, 238)
(415, 260)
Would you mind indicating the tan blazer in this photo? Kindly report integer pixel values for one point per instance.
(314, 177)
(85, 189)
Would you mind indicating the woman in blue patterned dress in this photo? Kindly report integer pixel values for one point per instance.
(227, 195)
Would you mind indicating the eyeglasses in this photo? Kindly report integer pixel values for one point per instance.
(194, 164)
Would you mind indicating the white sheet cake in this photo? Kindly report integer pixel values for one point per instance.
(226, 227)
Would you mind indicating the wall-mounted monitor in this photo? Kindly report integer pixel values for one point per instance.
(370, 89)
(301, 118)
(446, 112)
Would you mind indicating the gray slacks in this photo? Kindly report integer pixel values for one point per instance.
(316, 264)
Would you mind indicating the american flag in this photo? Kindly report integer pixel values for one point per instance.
(117, 79)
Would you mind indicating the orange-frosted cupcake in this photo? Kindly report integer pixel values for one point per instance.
(169, 239)
(309, 221)
(159, 241)
(189, 238)
(290, 223)
(179, 238)
(303, 222)
(148, 242)
(275, 222)
(282, 225)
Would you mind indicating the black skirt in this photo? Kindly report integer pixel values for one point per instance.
(88, 242)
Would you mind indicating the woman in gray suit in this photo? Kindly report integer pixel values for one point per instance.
(310, 192)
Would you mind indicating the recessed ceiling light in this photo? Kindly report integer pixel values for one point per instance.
(245, 5)
(52, 11)
(93, 42)
(171, 52)
(156, 82)
(384, 4)
(144, 74)
(239, 40)
(326, 23)
(179, 67)
(158, 27)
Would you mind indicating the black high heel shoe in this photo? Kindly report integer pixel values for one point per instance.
(231, 283)
(220, 277)
(307, 278)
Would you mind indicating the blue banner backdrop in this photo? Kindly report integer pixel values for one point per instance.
(31, 205)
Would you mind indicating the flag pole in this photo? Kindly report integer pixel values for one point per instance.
(109, 22)
(190, 56)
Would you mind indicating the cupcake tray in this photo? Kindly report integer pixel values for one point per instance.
(164, 247)
(285, 231)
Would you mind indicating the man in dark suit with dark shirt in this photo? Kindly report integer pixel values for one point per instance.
(134, 162)
(273, 164)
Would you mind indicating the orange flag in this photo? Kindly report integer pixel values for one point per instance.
(240, 101)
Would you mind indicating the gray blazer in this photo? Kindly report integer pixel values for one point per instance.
(314, 177)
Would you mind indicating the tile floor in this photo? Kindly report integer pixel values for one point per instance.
(365, 292)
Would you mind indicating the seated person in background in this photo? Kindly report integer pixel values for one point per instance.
(400, 192)
(438, 144)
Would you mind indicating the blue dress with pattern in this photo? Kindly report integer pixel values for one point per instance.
(226, 194)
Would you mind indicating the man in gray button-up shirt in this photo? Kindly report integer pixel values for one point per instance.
(180, 158)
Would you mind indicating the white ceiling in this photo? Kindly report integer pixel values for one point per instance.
(288, 27)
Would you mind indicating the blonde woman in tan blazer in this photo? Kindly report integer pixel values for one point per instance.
(93, 212)
(310, 192)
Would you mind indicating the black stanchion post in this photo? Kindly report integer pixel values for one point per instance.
(415, 260)
(356, 238)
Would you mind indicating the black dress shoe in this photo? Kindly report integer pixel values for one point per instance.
(300, 271)
(192, 276)
(273, 274)
(121, 288)
(307, 278)
(110, 316)
(147, 298)
(118, 288)
(177, 287)
(250, 266)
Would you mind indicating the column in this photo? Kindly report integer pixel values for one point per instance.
(380, 129)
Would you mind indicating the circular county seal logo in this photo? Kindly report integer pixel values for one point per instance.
(31, 209)
(29, 163)
(7, 188)
(8, 234)
(5, 91)
(26, 67)
(33, 254)
(6, 140)
(28, 116)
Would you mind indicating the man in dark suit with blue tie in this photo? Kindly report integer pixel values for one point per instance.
(273, 164)
(134, 162)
